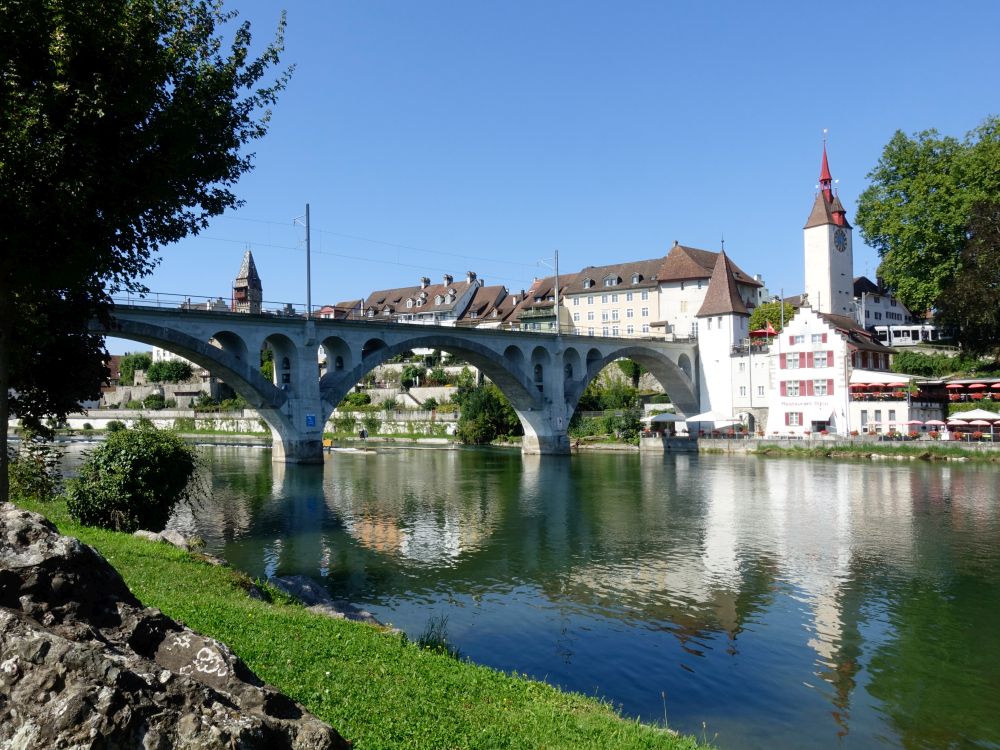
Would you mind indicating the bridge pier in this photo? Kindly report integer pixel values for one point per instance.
(296, 450)
(556, 444)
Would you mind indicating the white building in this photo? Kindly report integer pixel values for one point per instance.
(829, 255)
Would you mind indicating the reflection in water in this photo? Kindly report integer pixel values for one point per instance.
(783, 603)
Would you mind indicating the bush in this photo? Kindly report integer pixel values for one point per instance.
(660, 398)
(169, 371)
(115, 425)
(33, 470)
(87, 426)
(133, 481)
(430, 404)
(388, 405)
(133, 404)
(185, 424)
(354, 401)
(486, 415)
(344, 423)
(372, 424)
(154, 402)
(129, 363)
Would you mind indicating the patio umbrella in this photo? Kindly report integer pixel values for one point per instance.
(975, 386)
(858, 386)
(935, 423)
(897, 385)
(767, 330)
(915, 421)
(979, 423)
(712, 416)
(979, 414)
(955, 386)
(958, 422)
(995, 386)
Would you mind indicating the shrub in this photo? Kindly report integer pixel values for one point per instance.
(344, 423)
(372, 424)
(133, 404)
(388, 405)
(354, 400)
(115, 425)
(437, 376)
(430, 404)
(133, 481)
(33, 470)
(87, 426)
(184, 424)
(154, 401)
(169, 371)
(660, 398)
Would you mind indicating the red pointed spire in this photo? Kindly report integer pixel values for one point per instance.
(825, 178)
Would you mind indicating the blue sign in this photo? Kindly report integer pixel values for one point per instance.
(310, 420)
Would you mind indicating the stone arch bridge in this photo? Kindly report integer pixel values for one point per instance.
(543, 375)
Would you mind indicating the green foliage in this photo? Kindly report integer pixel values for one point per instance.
(388, 405)
(132, 481)
(435, 637)
(115, 425)
(134, 404)
(129, 363)
(372, 424)
(411, 375)
(632, 370)
(154, 402)
(624, 426)
(969, 303)
(430, 404)
(344, 423)
(486, 415)
(437, 376)
(660, 398)
(33, 470)
(936, 365)
(267, 364)
(770, 312)
(917, 208)
(87, 426)
(185, 424)
(604, 393)
(354, 401)
(169, 371)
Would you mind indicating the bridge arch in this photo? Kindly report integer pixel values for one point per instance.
(512, 381)
(673, 376)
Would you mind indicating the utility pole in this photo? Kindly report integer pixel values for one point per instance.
(308, 269)
(558, 321)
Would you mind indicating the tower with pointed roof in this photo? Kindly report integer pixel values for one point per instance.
(829, 257)
(723, 326)
(247, 292)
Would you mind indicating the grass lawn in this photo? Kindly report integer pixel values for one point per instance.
(377, 689)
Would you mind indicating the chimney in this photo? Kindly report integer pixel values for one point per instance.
(424, 282)
(447, 279)
(470, 276)
(676, 243)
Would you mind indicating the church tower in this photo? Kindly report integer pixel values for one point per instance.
(829, 258)
(247, 292)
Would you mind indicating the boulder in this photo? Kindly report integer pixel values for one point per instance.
(318, 600)
(84, 665)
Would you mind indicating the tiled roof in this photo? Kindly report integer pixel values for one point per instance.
(856, 336)
(689, 263)
(644, 271)
(484, 301)
(247, 275)
(722, 297)
(864, 285)
(395, 299)
(823, 212)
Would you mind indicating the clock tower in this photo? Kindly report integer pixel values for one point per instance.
(829, 258)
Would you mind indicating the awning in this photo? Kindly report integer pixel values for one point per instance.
(666, 417)
(712, 416)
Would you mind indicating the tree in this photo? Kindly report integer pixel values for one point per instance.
(632, 370)
(775, 313)
(169, 371)
(971, 300)
(486, 415)
(916, 210)
(129, 363)
(123, 127)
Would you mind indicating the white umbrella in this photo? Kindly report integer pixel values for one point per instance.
(935, 423)
(666, 417)
(957, 421)
(979, 414)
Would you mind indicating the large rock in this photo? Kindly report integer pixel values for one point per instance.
(84, 665)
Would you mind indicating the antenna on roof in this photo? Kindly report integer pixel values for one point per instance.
(826, 132)
(723, 242)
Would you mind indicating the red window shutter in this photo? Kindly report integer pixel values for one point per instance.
(781, 361)
(784, 388)
(808, 387)
(791, 340)
(787, 416)
(829, 358)
(829, 387)
(810, 360)
(802, 359)
(824, 338)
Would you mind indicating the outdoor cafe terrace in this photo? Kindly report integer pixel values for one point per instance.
(985, 393)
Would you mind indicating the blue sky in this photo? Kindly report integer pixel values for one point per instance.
(445, 136)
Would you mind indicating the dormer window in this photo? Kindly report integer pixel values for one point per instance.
(420, 302)
(636, 278)
(587, 283)
(409, 303)
(609, 281)
(438, 299)
(386, 312)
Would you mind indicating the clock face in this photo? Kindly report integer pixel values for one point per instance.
(840, 240)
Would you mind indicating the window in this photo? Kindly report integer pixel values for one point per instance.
(682, 286)
(878, 415)
(718, 322)
(576, 301)
(644, 312)
(628, 296)
(614, 297)
(604, 315)
(614, 315)
(590, 331)
(820, 359)
(604, 299)
(892, 303)
(793, 418)
(576, 317)
(630, 313)
(614, 330)
(791, 361)
(864, 418)
(709, 323)
(587, 283)
(644, 296)
(801, 339)
(892, 415)
(819, 388)
(645, 328)
(818, 338)
(629, 330)
(760, 390)
(636, 278)
(609, 281)
(743, 367)
(590, 299)
(791, 388)
(409, 303)
(743, 390)
(590, 314)
(699, 283)
(604, 331)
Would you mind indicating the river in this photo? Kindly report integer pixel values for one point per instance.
(755, 602)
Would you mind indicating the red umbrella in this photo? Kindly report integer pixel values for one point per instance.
(898, 385)
(914, 421)
(996, 386)
(858, 386)
(767, 330)
(954, 385)
(970, 386)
